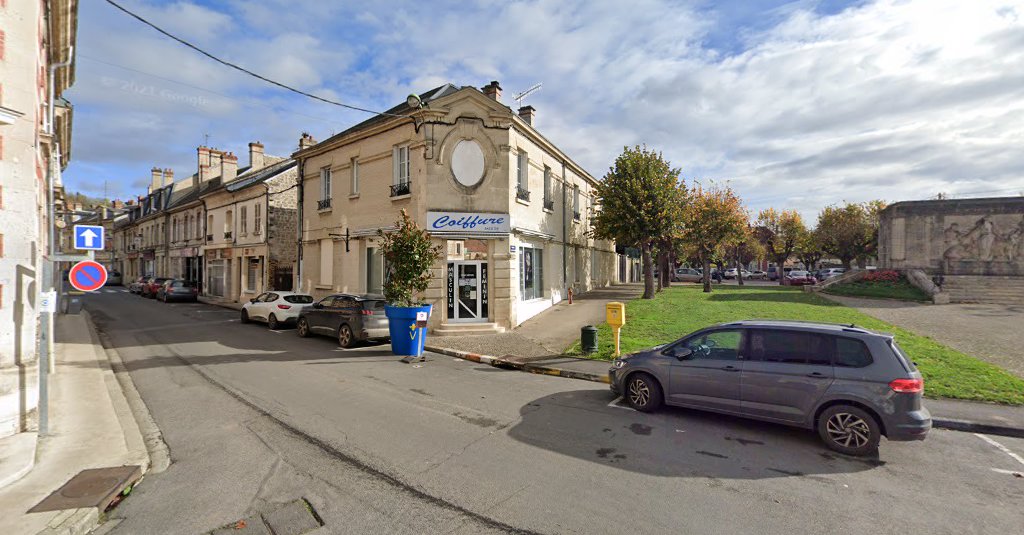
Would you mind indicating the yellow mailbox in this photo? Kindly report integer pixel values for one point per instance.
(615, 315)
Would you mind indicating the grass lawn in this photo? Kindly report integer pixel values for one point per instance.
(901, 289)
(682, 309)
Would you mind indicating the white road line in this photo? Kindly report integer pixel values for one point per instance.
(615, 404)
(1008, 472)
(1001, 448)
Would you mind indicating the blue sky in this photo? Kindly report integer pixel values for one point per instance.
(794, 104)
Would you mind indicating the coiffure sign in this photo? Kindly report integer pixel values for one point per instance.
(468, 223)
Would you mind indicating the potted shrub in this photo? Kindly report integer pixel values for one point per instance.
(409, 254)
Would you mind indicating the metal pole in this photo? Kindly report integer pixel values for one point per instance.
(46, 356)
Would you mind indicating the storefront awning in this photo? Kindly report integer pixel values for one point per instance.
(533, 233)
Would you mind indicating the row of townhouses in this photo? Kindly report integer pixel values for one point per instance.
(511, 211)
(230, 229)
(36, 67)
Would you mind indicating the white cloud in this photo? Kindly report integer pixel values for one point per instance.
(892, 100)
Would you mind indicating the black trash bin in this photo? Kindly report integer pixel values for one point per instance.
(71, 302)
(588, 339)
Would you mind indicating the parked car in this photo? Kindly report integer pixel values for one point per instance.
(773, 272)
(686, 275)
(275, 308)
(731, 273)
(136, 285)
(114, 278)
(849, 384)
(152, 285)
(831, 272)
(757, 274)
(349, 318)
(177, 290)
(799, 278)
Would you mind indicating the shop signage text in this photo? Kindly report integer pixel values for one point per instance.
(468, 222)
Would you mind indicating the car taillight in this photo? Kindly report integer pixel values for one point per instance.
(284, 307)
(367, 312)
(907, 386)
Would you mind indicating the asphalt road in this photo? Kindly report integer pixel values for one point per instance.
(255, 417)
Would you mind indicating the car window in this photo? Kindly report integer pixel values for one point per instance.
(716, 345)
(177, 284)
(790, 347)
(851, 353)
(261, 297)
(299, 299)
(271, 297)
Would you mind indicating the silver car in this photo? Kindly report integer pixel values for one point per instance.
(849, 384)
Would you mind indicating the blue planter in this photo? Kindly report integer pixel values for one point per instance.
(406, 338)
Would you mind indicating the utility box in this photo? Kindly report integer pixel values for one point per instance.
(615, 314)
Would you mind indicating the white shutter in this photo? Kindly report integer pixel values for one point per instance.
(396, 166)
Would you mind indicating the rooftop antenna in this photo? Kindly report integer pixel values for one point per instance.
(519, 98)
(206, 140)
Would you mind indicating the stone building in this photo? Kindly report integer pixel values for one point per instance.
(510, 210)
(975, 245)
(35, 38)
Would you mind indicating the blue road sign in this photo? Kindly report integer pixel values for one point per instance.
(89, 237)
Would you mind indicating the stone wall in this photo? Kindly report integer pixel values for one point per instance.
(282, 227)
(954, 237)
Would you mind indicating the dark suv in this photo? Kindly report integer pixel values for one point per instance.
(349, 318)
(850, 384)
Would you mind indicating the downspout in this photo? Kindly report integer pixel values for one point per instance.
(298, 228)
(565, 235)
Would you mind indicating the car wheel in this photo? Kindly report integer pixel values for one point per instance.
(848, 429)
(643, 392)
(245, 316)
(345, 337)
(302, 328)
(272, 323)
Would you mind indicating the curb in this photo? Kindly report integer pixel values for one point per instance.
(526, 367)
(157, 452)
(977, 427)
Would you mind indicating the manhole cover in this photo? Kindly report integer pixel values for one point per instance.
(95, 487)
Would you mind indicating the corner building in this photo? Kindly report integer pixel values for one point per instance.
(509, 209)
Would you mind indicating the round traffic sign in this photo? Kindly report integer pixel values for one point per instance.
(87, 276)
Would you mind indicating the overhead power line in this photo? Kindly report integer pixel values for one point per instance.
(243, 69)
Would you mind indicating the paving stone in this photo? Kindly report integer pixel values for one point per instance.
(292, 519)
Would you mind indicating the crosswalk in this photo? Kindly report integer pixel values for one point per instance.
(112, 290)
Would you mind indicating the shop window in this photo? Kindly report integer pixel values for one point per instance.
(531, 270)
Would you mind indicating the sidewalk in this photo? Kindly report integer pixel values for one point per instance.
(91, 426)
(547, 333)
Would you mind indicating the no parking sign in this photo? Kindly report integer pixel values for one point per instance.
(87, 276)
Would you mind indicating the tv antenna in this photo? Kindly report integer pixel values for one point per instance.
(519, 98)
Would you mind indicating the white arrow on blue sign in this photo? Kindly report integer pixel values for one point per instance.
(89, 237)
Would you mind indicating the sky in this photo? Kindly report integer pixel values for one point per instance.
(798, 104)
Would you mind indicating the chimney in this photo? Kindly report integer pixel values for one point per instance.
(119, 204)
(157, 179)
(203, 161)
(228, 167)
(492, 90)
(168, 177)
(528, 114)
(256, 155)
(306, 141)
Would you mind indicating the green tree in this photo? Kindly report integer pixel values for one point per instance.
(808, 248)
(714, 217)
(409, 254)
(778, 232)
(743, 250)
(850, 232)
(641, 200)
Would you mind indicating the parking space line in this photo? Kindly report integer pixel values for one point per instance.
(615, 404)
(1001, 448)
(1007, 472)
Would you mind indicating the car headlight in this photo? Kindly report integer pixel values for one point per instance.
(618, 363)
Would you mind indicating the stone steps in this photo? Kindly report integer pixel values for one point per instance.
(982, 289)
(468, 329)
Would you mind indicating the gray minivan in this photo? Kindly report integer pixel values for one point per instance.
(850, 384)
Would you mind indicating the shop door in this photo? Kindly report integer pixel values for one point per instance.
(467, 291)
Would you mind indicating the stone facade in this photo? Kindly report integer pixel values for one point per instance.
(463, 153)
(954, 237)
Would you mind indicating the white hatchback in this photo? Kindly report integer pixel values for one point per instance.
(275, 308)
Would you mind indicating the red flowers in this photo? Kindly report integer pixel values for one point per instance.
(881, 276)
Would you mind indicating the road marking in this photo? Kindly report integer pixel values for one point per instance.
(1001, 448)
(615, 404)
(1008, 472)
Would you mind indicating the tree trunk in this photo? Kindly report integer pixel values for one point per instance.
(706, 264)
(645, 255)
(739, 272)
(663, 270)
(846, 263)
(781, 270)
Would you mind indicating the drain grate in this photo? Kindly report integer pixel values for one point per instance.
(95, 487)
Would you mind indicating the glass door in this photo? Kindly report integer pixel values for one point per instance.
(468, 299)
